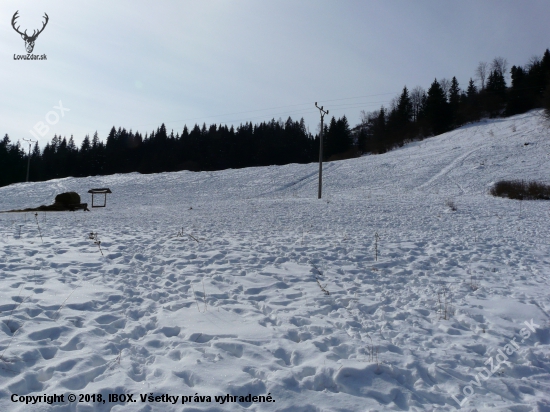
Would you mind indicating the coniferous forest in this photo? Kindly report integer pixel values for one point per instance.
(412, 115)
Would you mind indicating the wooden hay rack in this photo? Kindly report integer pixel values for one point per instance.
(101, 191)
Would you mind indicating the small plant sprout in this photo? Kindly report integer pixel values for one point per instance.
(93, 236)
(451, 205)
(204, 292)
(182, 233)
(372, 351)
(39, 231)
(474, 282)
(445, 301)
(196, 300)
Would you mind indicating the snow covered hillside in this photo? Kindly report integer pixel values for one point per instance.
(378, 297)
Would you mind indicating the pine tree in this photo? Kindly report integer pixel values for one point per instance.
(437, 109)
(97, 156)
(36, 151)
(71, 145)
(95, 140)
(85, 146)
(330, 139)
(345, 139)
(496, 83)
(470, 103)
(454, 102)
(520, 96)
(472, 89)
(495, 93)
(84, 158)
(404, 111)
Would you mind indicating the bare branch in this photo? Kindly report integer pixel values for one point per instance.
(481, 73)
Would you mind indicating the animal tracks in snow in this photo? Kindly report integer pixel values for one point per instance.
(240, 310)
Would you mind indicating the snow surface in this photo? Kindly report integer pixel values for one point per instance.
(210, 283)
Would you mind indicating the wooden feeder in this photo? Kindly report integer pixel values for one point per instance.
(102, 191)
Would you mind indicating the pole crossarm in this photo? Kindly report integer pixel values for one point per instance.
(323, 112)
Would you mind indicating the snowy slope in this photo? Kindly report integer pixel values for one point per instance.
(209, 284)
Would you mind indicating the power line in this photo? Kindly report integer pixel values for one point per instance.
(272, 108)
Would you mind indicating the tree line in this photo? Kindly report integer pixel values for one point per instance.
(418, 113)
(412, 115)
(202, 148)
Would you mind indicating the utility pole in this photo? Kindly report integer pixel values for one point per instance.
(29, 160)
(321, 151)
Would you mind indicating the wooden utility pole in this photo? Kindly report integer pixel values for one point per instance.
(29, 160)
(321, 151)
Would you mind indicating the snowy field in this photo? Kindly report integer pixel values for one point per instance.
(210, 284)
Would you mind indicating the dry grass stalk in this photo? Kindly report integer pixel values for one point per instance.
(39, 231)
(56, 314)
(204, 291)
(196, 300)
(96, 240)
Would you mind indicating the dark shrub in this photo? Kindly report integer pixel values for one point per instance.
(521, 190)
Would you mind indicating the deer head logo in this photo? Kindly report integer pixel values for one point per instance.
(29, 40)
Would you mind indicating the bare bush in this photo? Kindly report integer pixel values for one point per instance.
(481, 73)
(500, 65)
(521, 190)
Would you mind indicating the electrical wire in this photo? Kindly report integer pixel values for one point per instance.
(303, 110)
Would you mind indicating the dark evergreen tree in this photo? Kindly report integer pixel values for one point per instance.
(330, 140)
(519, 99)
(472, 89)
(495, 93)
(454, 103)
(97, 156)
(84, 158)
(437, 109)
(404, 109)
(470, 103)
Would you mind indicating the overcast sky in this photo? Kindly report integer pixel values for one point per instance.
(138, 63)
